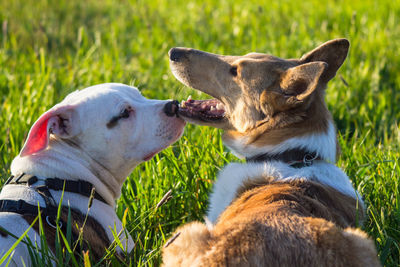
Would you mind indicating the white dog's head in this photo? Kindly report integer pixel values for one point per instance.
(113, 124)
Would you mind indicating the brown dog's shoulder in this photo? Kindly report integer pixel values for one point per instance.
(350, 246)
(187, 245)
(363, 248)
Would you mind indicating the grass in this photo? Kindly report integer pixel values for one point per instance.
(50, 48)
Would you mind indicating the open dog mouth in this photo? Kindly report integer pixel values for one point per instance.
(211, 110)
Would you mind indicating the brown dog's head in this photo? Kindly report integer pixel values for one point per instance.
(261, 97)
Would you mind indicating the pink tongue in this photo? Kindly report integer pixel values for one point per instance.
(204, 105)
(216, 112)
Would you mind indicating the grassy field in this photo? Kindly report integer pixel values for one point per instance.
(51, 48)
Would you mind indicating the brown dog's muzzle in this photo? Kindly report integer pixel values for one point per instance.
(194, 69)
(176, 54)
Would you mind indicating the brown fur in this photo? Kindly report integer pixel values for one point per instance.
(94, 235)
(308, 198)
(299, 223)
(270, 99)
(271, 223)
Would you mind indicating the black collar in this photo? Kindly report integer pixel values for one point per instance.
(297, 158)
(79, 187)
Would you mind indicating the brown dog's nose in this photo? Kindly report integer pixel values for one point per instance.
(175, 54)
(171, 108)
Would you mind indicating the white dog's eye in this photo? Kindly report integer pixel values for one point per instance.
(125, 113)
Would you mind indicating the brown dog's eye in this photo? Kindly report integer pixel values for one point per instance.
(233, 71)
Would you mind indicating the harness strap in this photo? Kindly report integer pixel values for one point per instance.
(51, 204)
(80, 187)
(296, 158)
(48, 214)
(24, 208)
(20, 207)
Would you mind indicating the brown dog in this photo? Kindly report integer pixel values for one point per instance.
(289, 205)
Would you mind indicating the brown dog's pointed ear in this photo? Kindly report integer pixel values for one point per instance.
(296, 84)
(300, 81)
(333, 52)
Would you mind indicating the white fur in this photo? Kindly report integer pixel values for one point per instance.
(231, 178)
(102, 156)
(324, 144)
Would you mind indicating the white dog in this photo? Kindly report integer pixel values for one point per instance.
(93, 138)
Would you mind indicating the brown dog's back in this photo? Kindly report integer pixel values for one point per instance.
(278, 224)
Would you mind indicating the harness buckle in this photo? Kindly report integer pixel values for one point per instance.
(54, 223)
(32, 180)
(308, 159)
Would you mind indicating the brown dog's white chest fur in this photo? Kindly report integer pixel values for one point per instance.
(271, 213)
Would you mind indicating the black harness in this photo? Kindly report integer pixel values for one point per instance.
(296, 158)
(49, 213)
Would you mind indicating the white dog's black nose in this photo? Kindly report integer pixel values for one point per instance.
(171, 108)
(175, 54)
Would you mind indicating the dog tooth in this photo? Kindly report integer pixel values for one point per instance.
(183, 105)
(219, 106)
(212, 108)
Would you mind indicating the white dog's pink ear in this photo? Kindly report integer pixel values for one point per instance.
(59, 121)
